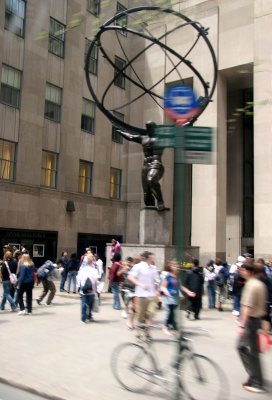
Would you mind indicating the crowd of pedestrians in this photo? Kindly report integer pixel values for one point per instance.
(138, 289)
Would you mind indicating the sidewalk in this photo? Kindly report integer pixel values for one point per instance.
(60, 358)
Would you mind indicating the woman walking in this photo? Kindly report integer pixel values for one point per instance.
(171, 287)
(25, 284)
(115, 280)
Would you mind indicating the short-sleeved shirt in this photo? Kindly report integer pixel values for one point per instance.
(254, 296)
(146, 274)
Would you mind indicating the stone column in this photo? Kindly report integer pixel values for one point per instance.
(262, 129)
(209, 185)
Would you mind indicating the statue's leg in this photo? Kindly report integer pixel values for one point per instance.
(149, 199)
(153, 178)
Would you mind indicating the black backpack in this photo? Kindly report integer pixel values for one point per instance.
(220, 279)
(45, 270)
(87, 287)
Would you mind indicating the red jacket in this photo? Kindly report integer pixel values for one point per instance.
(113, 272)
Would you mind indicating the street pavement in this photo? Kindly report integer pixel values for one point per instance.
(52, 354)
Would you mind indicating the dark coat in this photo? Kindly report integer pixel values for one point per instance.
(194, 281)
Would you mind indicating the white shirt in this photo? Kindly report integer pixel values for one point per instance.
(146, 274)
(233, 268)
(99, 267)
(83, 274)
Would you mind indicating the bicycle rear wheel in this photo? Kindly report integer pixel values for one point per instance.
(133, 367)
(201, 378)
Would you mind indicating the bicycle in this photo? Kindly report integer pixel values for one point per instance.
(136, 365)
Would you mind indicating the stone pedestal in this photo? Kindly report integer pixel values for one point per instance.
(155, 226)
(155, 236)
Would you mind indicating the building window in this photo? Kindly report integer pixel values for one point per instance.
(115, 183)
(93, 60)
(85, 177)
(7, 160)
(53, 97)
(56, 38)
(15, 16)
(115, 136)
(93, 6)
(88, 116)
(10, 86)
(123, 21)
(49, 169)
(119, 77)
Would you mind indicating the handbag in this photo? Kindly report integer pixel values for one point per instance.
(12, 277)
(96, 303)
(263, 341)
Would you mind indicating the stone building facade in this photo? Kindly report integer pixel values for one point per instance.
(68, 180)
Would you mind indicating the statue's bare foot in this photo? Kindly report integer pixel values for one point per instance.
(161, 206)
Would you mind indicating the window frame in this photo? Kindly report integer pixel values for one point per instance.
(91, 4)
(120, 8)
(55, 170)
(116, 187)
(12, 88)
(11, 162)
(121, 82)
(93, 57)
(88, 117)
(53, 38)
(88, 179)
(17, 16)
(51, 103)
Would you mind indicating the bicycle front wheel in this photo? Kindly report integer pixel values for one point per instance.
(201, 378)
(133, 367)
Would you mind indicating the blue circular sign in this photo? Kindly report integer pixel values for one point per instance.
(180, 100)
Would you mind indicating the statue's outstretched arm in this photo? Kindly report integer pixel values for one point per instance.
(130, 136)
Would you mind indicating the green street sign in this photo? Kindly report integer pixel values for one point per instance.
(193, 144)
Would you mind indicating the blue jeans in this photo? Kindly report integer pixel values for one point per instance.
(72, 276)
(211, 293)
(62, 281)
(236, 303)
(7, 296)
(87, 301)
(116, 298)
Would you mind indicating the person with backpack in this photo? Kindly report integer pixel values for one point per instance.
(221, 283)
(8, 268)
(46, 273)
(87, 279)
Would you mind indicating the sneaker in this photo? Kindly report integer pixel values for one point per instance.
(247, 382)
(124, 314)
(166, 331)
(254, 389)
(38, 302)
(235, 313)
(23, 312)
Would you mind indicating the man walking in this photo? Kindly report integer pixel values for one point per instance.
(145, 277)
(47, 282)
(194, 283)
(253, 308)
